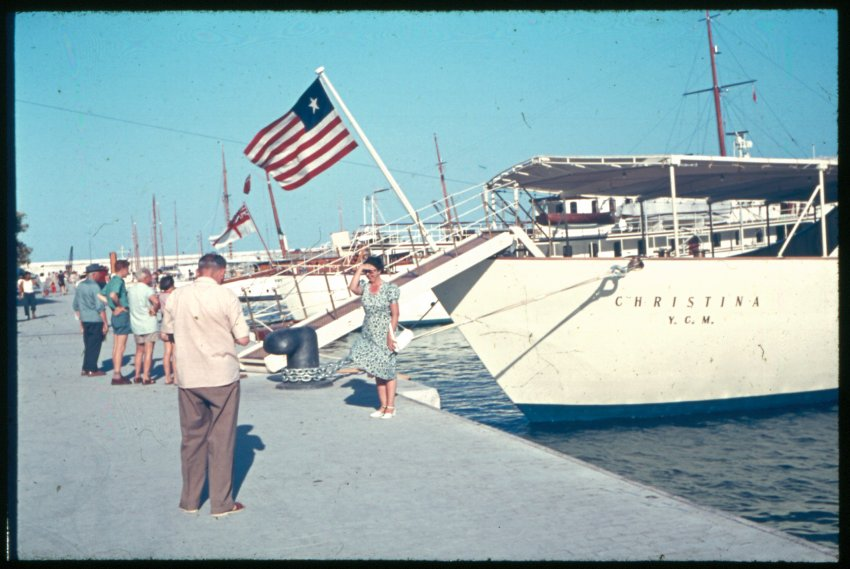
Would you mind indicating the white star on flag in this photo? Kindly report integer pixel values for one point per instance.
(314, 104)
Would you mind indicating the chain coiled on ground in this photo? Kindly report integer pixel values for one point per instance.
(322, 373)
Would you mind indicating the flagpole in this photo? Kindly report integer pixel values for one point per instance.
(260, 235)
(399, 193)
(276, 220)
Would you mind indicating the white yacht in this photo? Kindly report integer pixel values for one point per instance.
(602, 336)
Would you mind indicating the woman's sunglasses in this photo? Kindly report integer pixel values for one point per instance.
(368, 271)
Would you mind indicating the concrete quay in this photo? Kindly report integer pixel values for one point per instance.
(98, 477)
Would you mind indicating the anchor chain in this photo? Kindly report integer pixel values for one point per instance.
(322, 373)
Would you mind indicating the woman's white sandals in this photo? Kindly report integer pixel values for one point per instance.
(378, 414)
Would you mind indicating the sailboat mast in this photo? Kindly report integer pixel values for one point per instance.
(155, 249)
(176, 239)
(161, 240)
(226, 202)
(135, 245)
(715, 88)
(443, 182)
(276, 220)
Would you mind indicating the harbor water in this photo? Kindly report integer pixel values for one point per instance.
(778, 468)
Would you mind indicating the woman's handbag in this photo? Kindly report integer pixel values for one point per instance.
(402, 339)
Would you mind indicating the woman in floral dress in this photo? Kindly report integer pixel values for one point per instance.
(374, 350)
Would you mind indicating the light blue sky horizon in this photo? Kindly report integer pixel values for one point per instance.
(114, 108)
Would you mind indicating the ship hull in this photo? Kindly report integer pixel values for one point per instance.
(568, 340)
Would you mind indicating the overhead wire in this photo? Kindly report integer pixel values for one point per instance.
(208, 136)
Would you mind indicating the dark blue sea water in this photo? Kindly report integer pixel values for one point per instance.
(778, 468)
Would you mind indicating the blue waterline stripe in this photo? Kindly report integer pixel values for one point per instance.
(579, 413)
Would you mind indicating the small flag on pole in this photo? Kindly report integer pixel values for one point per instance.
(246, 189)
(238, 227)
(304, 142)
(754, 93)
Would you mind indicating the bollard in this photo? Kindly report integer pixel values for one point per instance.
(301, 348)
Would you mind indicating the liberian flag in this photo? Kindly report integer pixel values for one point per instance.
(238, 227)
(304, 142)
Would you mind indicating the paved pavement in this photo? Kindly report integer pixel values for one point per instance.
(98, 474)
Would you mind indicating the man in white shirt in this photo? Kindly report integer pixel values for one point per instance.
(206, 320)
(27, 292)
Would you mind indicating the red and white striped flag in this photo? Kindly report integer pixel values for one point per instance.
(246, 189)
(304, 142)
(239, 226)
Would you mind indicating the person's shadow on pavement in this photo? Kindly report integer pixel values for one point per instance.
(243, 455)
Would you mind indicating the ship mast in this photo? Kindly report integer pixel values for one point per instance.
(443, 182)
(715, 88)
(226, 200)
(712, 50)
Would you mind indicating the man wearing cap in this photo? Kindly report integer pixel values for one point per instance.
(115, 292)
(206, 320)
(91, 312)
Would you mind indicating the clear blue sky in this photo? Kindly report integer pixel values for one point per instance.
(496, 88)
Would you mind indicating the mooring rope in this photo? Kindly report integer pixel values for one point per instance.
(616, 272)
(329, 370)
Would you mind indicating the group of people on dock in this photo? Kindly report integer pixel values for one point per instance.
(201, 324)
(208, 321)
(134, 309)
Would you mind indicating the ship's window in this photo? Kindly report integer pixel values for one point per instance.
(618, 248)
(559, 208)
(573, 207)
(759, 236)
(715, 238)
(594, 249)
(594, 205)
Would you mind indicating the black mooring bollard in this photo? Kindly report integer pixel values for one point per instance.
(301, 348)
(299, 345)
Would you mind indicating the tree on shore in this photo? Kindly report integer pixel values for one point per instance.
(23, 250)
